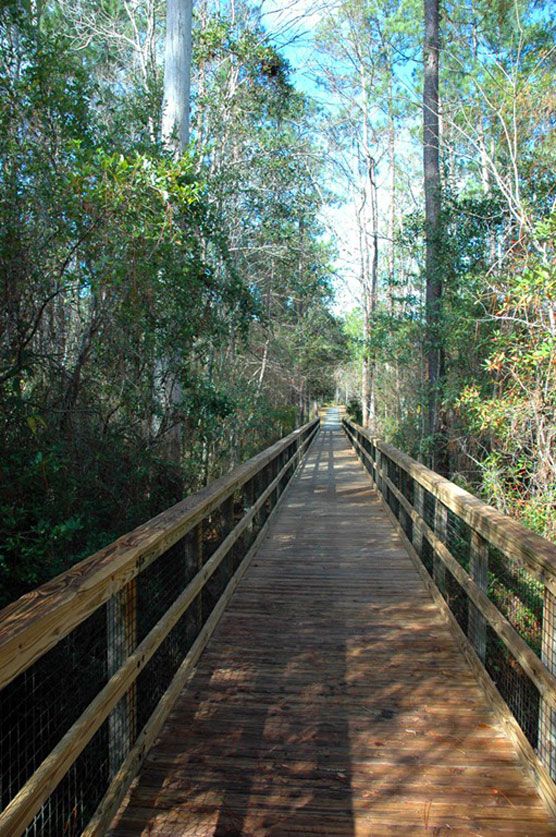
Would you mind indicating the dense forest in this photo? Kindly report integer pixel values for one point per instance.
(442, 140)
(164, 315)
(168, 301)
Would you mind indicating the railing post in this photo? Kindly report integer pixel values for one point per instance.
(369, 462)
(227, 512)
(547, 715)
(249, 497)
(418, 505)
(194, 563)
(379, 464)
(478, 570)
(273, 474)
(259, 485)
(121, 618)
(291, 452)
(276, 471)
(282, 462)
(441, 532)
(373, 463)
(199, 534)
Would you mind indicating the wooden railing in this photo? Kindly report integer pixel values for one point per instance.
(91, 663)
(496, 581)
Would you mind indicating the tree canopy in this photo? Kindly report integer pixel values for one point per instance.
(144, 290)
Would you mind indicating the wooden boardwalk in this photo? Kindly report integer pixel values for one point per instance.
(332, 699)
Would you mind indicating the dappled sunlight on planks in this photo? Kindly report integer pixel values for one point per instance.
(332, 699)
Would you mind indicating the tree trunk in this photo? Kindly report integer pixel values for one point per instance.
(365, 306)
(365, 366)
(374, 287)
(431, 166)
(369, 216)
(177, 70)
(175, 136)
(392, 164)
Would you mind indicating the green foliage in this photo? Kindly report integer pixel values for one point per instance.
(511, 409)
(354, 412)
(141, 293)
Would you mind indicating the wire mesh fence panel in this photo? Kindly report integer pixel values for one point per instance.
(518, 595)
(243, 503)
(547, 715)
(457, 600)
(41, 704)
(521, 695)
(459, 539)
(429, 507)
(406, 523)
(392, 472)
(159, 585)
(71, 805)
(159, 672)
(407, 486)
(427, 556)
(215, 530)
(393, 502)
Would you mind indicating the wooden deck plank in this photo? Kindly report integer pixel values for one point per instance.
(332, 699)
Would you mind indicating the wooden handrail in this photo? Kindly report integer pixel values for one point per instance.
(503, 532)
(543, 679)
(523, 550)
(33, 624)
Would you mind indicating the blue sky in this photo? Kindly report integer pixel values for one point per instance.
(291, 25)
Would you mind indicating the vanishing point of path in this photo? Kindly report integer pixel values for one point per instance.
(332, 699)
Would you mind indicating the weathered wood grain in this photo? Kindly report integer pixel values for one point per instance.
(332, 698)
(529, 757)
(130, 767)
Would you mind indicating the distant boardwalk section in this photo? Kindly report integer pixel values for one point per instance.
(332, 699)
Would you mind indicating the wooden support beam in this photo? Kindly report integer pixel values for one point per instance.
(547, 712)
(478, 570)
(419, 503)
(121, 629)
(441, 532)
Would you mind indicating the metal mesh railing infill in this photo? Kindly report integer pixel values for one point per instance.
(86, 659)
(498, 581)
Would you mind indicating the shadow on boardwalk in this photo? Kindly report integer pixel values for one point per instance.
(332, 700)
